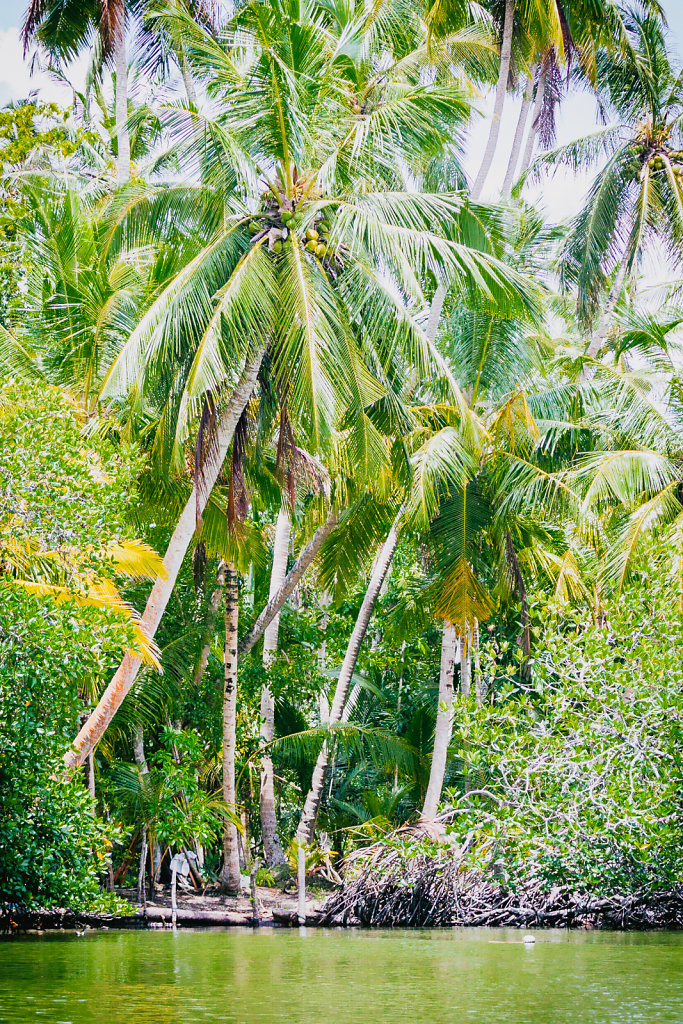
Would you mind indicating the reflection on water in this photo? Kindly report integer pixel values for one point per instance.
(337, 977)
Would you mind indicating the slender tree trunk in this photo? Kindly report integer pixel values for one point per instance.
(110, 701)
(465, 663)
(271, 840)
(188, 81)
(289, 585)
(122, 135)
(141, 762)
(610, 305)
(323, 702)
(444, 722)
(306, 827)
(142, 889)
(519, 137)
(478, 678)
(501, 89)
(230, 876)
(533, 129)
(139, 748)
(91, 777)
(214, 603)
(435, 311)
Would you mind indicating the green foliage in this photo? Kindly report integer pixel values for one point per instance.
(167, 800)
(61, 502)
(581, 771)
(52, 847)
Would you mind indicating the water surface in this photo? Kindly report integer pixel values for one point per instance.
(342, 977)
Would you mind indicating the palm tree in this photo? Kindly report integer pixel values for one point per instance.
(636, 198)
(64, 27)
(293, 271)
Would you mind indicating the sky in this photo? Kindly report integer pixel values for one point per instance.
(560, 196)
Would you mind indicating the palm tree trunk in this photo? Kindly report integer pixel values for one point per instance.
(214, 602)
(465, 664)
(435, 311)
(306, 827)
(122, 135)
(478, 678)
(272, 847)
(230, 875)
(139, 748)
(444, 722)
(141, 762)
(607, 313)
(124, 677)
(188, 81)
(290, 583)
(519, 137)
(91, 778)
(533, 130)
(501, 89)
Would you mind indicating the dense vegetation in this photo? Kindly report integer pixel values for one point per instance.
(412, 460)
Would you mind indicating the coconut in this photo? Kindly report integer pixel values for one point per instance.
(320, 250)
(312, 235)
(277, 246)
(311, 245)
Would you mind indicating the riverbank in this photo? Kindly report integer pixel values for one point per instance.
(369, 901)
(194, 910)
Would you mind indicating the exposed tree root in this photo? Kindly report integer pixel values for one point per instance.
(390, 886)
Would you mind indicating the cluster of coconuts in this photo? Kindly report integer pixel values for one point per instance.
(316, 239)
(675, 157)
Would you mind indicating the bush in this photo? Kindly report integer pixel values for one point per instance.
(52, 848)
(584, 766)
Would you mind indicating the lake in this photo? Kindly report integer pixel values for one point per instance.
(317, 976)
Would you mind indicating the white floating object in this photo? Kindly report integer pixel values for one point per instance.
(529, 939)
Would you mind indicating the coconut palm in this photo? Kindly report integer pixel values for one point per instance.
(635, 200)
(293, 271)
(65, 27)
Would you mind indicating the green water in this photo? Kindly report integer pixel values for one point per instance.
(335, 977)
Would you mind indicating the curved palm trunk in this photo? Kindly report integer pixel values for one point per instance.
(501, 89)
(519, 137)
(306, 827)
(230, 875)
(110, 701)
(271, 840)
(533, 130)
(122, 135)
(444, 722)
(289, 585)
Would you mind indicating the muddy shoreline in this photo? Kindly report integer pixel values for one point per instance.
(635, 912)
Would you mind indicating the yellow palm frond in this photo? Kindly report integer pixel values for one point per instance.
(514, 422)
(137, 560)
(463, 598)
